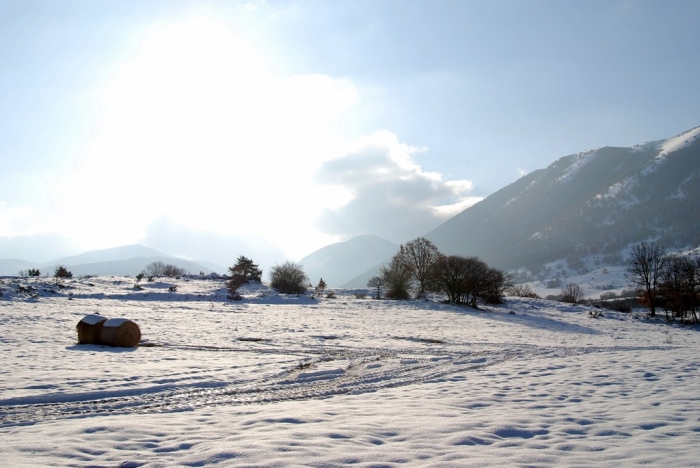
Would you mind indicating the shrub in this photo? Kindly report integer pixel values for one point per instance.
(320, 287)
(467, 279)
(34, 272)
(397, 277)
(608, 295)
(139, 277)
(288, 278)
(571, 293)
(521, 290)
(172, 271)
(158, 269)
(62, 272)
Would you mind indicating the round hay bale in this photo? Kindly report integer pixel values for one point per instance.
(89, 329)
(120, 332)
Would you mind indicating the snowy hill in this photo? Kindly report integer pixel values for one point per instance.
(595, 203)
(339, 263)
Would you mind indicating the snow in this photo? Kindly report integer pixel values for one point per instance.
(678, 142)
(578, 162)
(93, 319)
(115, 322)
(667, 147)
(276, 380)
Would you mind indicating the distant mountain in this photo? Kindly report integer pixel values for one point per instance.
(37, 248)
(595, 203)
(113, 254)
(129, 267)
(339, 263)
(11, 266)
(360, 281)
(117, 261)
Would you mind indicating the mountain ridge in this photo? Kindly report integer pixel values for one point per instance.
(116, 261)
(596, 202)
(341, 262)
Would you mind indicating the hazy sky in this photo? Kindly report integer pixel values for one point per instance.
(211, 129)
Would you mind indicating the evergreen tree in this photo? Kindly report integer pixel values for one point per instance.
(247, 269)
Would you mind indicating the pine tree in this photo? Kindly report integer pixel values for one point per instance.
(245, 267)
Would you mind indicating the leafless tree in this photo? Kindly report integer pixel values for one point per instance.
(376, 282)
(420, 256)
(680, 286)
(397, 276)
(467, 279)
(571, 293)
(645, 264)
(521, 290)
(171, 270)
(154, 269)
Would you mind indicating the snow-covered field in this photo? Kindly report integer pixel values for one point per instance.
(295, 381)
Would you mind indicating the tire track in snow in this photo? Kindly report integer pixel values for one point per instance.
(326, 371)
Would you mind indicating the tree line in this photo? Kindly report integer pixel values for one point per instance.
(669, 282)
(421, 267)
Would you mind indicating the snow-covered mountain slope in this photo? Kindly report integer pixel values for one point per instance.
(339, 263)
(596, 202)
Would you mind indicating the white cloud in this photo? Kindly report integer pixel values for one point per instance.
(390, 195)
(197, 130)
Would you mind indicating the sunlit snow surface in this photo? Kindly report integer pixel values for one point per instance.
(283, 380)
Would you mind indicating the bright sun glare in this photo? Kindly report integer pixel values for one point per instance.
(199, 128)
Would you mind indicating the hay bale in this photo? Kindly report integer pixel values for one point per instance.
(89, 329)
(120, 332)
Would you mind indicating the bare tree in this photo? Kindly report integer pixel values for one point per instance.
(154, 269)
(171, 270)
(376, 282)
(451, 274)
(397, 276)
(467, 279)
(645, 264)
(521, 290)
(679, 287)
(571, 293)
(420, 256)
